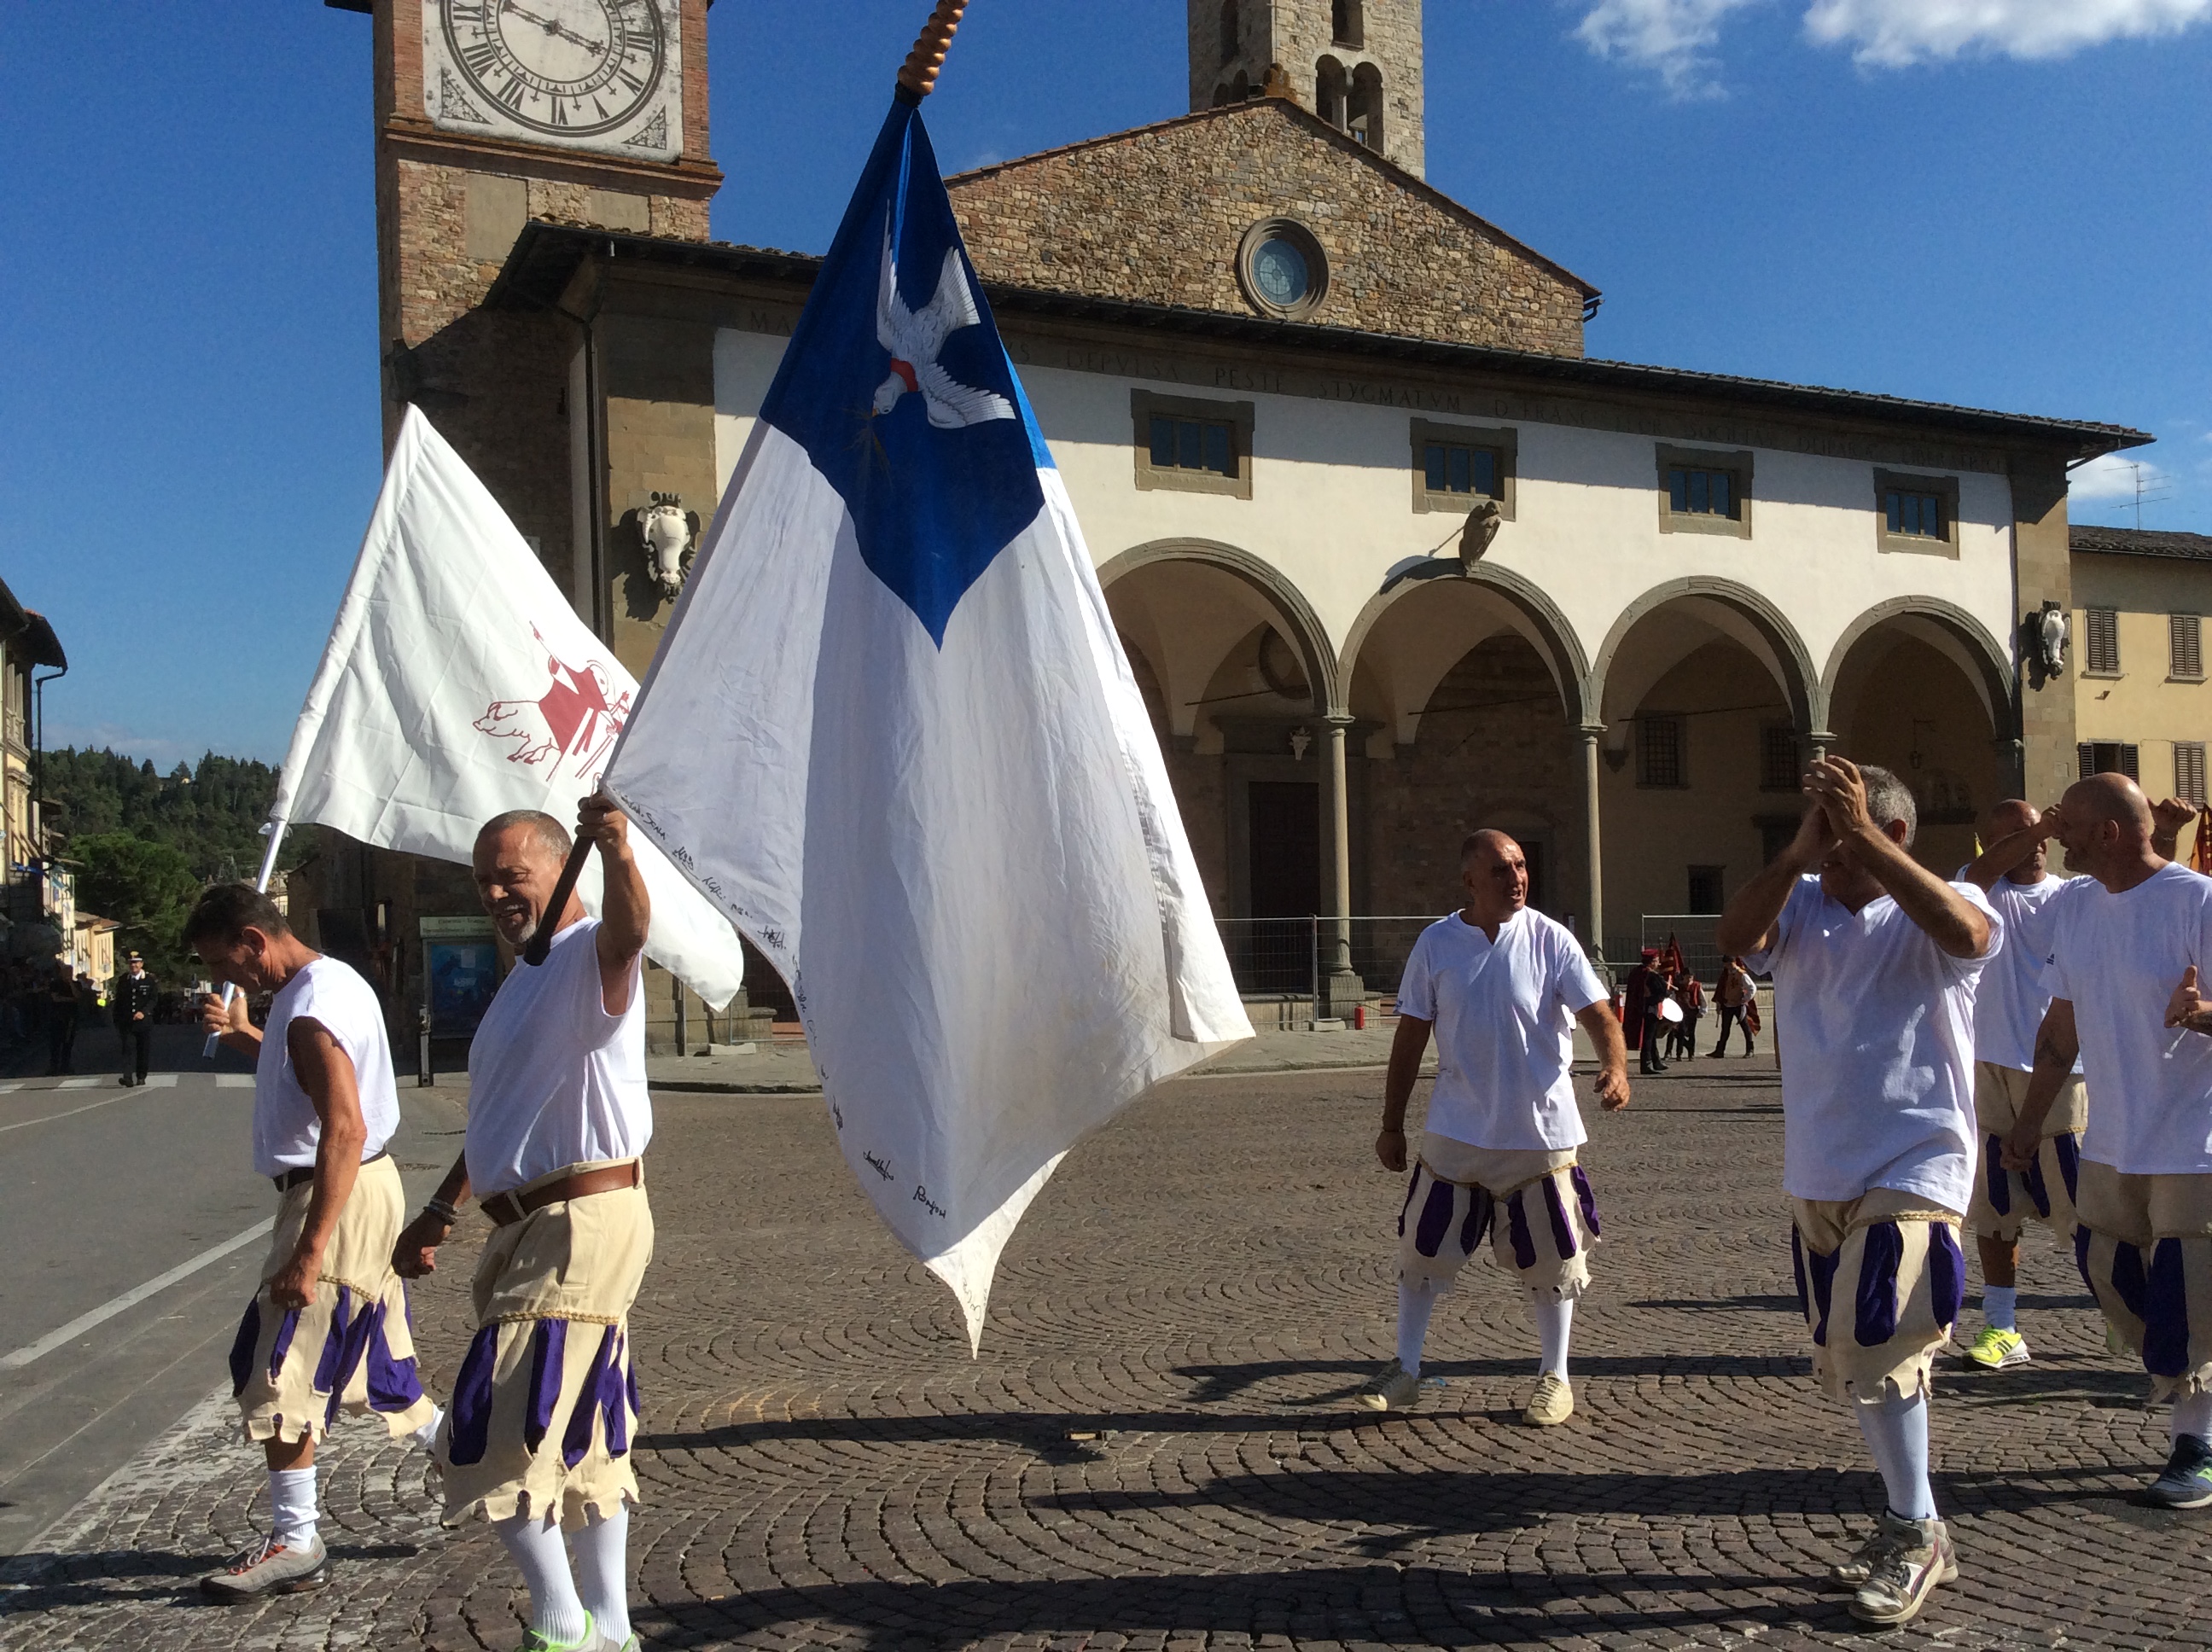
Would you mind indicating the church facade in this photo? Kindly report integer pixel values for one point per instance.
(1393, 555)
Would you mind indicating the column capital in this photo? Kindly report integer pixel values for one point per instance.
(1338, 719)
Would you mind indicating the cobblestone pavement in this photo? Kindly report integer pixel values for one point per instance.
(1156, 1450)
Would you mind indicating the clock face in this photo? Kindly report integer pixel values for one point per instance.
(588, 74)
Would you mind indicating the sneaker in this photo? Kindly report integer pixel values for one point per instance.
(2187, 1482)
(1914, 1556)
(1390, 1389)
(536, 1640)
(1997, 1350)
(271, 1569)
(1857, 1566)
(1551, 1404)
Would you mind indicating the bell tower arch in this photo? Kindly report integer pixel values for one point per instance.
(1355, 63)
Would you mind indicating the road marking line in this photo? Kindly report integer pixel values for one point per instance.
(234, 1081)
(107, 1310)
(82, 1083)
(25, 1124)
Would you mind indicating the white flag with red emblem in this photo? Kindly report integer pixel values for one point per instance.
(458, 683)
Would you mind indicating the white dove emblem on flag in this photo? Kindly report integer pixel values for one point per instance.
(915, 337)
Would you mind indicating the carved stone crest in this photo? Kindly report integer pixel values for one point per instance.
(667, 530)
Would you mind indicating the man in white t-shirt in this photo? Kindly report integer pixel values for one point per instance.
(1501, 985)
(2008, 1007)
(2128, 943)
(328, 1329)
(545, 1405)
(1874, 961)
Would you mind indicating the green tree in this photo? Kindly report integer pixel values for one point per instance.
(147, 887)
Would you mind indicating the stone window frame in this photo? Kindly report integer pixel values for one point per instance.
(1503, 439)
(1945, 487)
(1240, 416)
(1736, 461)
(1309, 248)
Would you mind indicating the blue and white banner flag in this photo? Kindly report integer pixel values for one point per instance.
(891, 732)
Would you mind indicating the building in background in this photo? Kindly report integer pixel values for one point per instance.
(40, 899)
(2141, 707)
(1391, 555)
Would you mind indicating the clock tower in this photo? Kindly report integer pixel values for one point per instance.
(490, 113)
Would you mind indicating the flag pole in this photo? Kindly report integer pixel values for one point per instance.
(918, 78)
(276, 825)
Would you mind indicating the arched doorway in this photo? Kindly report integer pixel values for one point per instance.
(1708, 701)
(1921, 688)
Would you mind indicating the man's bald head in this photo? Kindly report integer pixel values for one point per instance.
(2004, 819)
(2112, 798)
(1486, 845)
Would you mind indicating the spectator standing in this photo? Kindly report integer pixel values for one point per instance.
(1734, 992)
(61, 1020)
(1690, 993)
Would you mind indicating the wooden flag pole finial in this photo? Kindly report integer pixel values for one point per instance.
(918, 79)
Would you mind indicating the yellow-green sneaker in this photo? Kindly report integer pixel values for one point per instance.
(1997, 1350)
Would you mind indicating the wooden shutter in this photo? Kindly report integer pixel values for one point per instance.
(2185, 636)
(2104, 640)
(2189, 771)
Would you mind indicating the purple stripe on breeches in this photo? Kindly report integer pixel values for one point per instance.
(576, 1438)
(352, 1348)
(1436, 1219)
(331, 1362)
(471, 1424)
(1412, 1182)
(1993, 1173)
(549, 1352)
(1563, 1231)
(2165, 1313)
(1947, 1274)
(1876, 1312)
(2070, 1164)
(241, 1352)
(287, 1328)
(393, 1384)
(1516, 1229)
(1587, 1199)
(1820, 1273)
(2038, 1189)
(1481, 1210)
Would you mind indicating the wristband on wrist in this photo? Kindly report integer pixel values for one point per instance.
(443, 1211)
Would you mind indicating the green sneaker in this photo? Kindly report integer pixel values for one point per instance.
(2187, 1482)
(591, 1640)
(1997, 1350)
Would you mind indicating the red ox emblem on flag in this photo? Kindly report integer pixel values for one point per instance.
(572, 719)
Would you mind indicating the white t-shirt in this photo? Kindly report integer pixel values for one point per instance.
(1505, 1028)
(2118, 958)
(554, 1080)
(2008, 1005)
(1876, 1029)
(333, 996)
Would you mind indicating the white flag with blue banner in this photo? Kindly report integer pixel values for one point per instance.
(891, 732)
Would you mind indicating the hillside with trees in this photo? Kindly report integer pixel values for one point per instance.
(142, 843)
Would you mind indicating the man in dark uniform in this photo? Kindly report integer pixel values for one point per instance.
(132, 1002)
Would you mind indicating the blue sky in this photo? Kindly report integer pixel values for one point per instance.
(2002, 203)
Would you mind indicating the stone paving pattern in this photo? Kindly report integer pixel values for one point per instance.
(1155, 1450)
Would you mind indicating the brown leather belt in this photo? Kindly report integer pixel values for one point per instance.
(299, 1173)
(507, 1209)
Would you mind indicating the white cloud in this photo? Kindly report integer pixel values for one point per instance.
(1891, 34)
(2111, 476)
(1675, 37)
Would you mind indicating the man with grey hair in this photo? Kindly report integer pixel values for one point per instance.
(2130, 943)
(545, 1407)
(1875, 961)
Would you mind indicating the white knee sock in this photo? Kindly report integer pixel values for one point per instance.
(427, 1436)
(557, 1612)
(2192, 1414)
(1555, 1322)
(1414, 1307)
(603, 1571)
(1897, 1434)
(292, 1506)
(2001, 1306)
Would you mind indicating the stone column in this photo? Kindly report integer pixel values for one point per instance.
(1592, 734)
(1338, 988)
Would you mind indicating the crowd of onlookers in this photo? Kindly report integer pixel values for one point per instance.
(1662, 1001)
